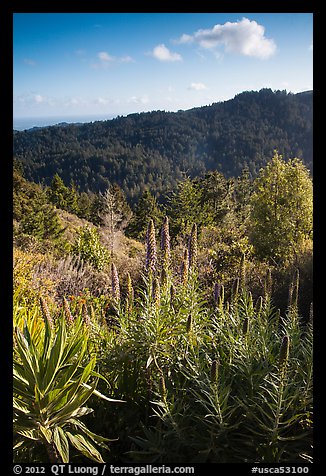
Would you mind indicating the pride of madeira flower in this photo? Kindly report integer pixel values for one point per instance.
(115, 285)
(284, 354)
(67, 312)
(151, 254)
(193, 247)
(165, 244)
(45, 312)
(184, 268)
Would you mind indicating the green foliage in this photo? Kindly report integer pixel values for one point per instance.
(23, 193)
(72, 199)
(215, 386)
(54, 377)
(68, 198)
(210, 201)
(88, 247)
(42, 220)
(121, 207)
(146, 208)
(281, 210)
(283, 277)
(35, 216)
(152, 151)
(58, 192)
(204, 381)
(216, 195)
(184, 207)
(84, 206)
(248, 411)
(27, 288)
(243, 188)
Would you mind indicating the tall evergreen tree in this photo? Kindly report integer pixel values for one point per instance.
(42, 220)
(184, 207)
(146, 208)
(215, 196)
(84, 205)
(58, 192)
(72, 198)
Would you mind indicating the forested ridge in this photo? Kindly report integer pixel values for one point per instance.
(154, 150)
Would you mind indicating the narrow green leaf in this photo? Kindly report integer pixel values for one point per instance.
(149, 361)
(21, 390)
(100, 395)
(84, 445)
(100, 440)
(88, 370)
(48, 338)
(46, 432)
(18, 372)
(19, 443)
(29, 434)
(77, 401)
(77, 341)
(68, 392)
(53, 362)
(19, 405)
(61, 442)
(81, 412)
(56, 401)
(24, 354)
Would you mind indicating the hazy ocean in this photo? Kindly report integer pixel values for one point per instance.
(23, 123)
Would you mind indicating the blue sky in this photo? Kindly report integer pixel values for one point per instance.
(76, 64)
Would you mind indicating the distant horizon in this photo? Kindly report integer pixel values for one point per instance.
(27, 123)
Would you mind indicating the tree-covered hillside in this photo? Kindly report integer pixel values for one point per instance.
(154, 150)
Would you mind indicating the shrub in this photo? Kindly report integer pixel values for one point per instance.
(54, 377)
(89, 248)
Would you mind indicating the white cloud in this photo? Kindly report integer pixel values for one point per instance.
(139, 99)
(80, 52)
(185, 39)
(106, 60)
(102, 101)
(30, 99)
(29, 61)
(74, 102)
(104, 56)
(245, 37)
(197, 86)
(126, 59)
(38, 98)
(311, 46)
(162, 53)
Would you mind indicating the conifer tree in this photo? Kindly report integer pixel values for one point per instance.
(42, 221)
(58, 192)
(146, 208)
